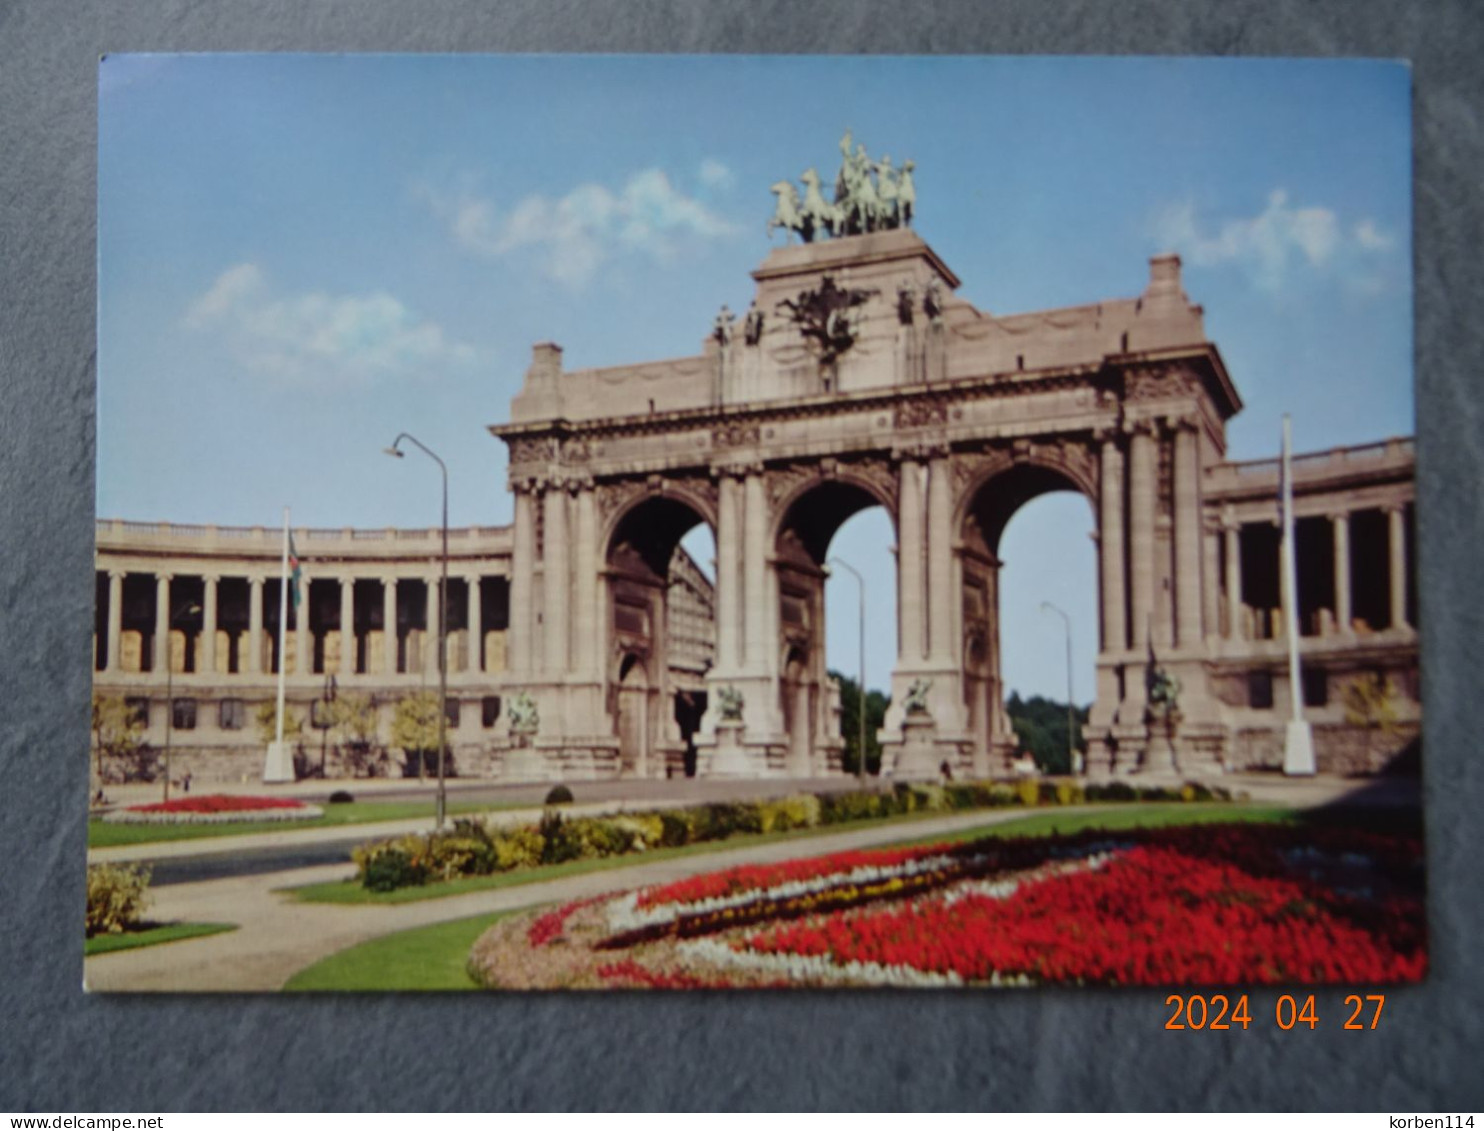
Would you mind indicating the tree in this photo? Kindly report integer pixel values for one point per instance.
(1370, 701)
(118, 732)
(266, 717)
(354, 720)
(415, 730)
(876, 704)
(1041, 729)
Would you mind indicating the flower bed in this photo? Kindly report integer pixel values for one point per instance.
(215, 808)
(1237, 904)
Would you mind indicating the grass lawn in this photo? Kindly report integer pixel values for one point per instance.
(433, 958)
(1120, 815)
(152, 936)
(424, 958)
(101, 834)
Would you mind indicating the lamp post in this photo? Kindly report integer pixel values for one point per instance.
(189, 609)
(394, 450)
(1071, 708)
(860, 709)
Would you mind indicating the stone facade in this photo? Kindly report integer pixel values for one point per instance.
(859, 378)
(208, 597)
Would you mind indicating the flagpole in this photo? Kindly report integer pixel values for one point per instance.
(283, 619)
(1298, 744)
(279, 767)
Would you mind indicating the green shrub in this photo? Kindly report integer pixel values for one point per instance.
(1069, 793)
(559, 795)
(341, 797)
(677, 827)
(452, 854)
(1111, 791)
(390, 865)
(719, 821)
(117, 896)
(838, 808)
(517, 848)
(1028, 791)
(801, 811)
(559, 841)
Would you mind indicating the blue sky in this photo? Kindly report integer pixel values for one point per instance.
(300, 256)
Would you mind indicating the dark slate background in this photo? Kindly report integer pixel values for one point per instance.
(61, 1050)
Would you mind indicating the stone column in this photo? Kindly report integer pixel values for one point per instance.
(1396, 523)
(755, 570)
(1141, 507)
(939, 539)
(1344, 617)
(585, 624)
(430, 633)
(912, 632)
(114, 645)
(254, 625)
(162, 624)
(522, 591)
(389, 625)
(208, 623)
(729, 555)
(347, 626)
(303, 653)
(1232, 532)
(1187, 504)
(557, 580)
(476, 627)
(1210, 575)
(1111, 547)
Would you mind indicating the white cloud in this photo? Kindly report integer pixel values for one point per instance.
(576, 233)
(1271, 244)
(319, 337)
(715, 174)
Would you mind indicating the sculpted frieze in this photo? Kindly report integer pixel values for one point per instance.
(921, 412)
(1161, 379)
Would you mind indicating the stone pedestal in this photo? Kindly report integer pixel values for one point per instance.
(729, 758)
(917, 756)
(1159, 755)
(523, 762)
(279, 764)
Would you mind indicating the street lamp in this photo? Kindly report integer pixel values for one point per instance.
(860, 709)
(186, 610)
(394, 450)
(1071, 709)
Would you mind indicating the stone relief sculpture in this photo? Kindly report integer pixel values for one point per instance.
(827, 316)
(752, 325)
(870, 196)
(730, 700)
(524, 718)
(1164, 694)
(906, 298)
(915, 701)
(721, 328)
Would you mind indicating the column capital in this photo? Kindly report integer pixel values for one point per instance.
(1339, 515)
(256, 580)
(164, 577)
(117, 574)
(211, 578)
(1149, 426)
(1107, 434)
(1394, 508)
(1182, 422)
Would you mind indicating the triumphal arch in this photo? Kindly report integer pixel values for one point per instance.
(858, 377)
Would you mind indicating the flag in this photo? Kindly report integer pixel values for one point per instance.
(295, 574)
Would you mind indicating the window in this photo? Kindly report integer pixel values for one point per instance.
(1316, 686)
(183, 714)
(451, 711)
(138, 710)
(489, 708)
(1260, 689)
(230, 715)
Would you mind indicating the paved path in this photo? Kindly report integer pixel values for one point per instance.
(278, 936)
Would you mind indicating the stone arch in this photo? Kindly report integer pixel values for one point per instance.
(990, 499)
(639, 499)
(640, 558)
(834, 499)
(986, 514)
